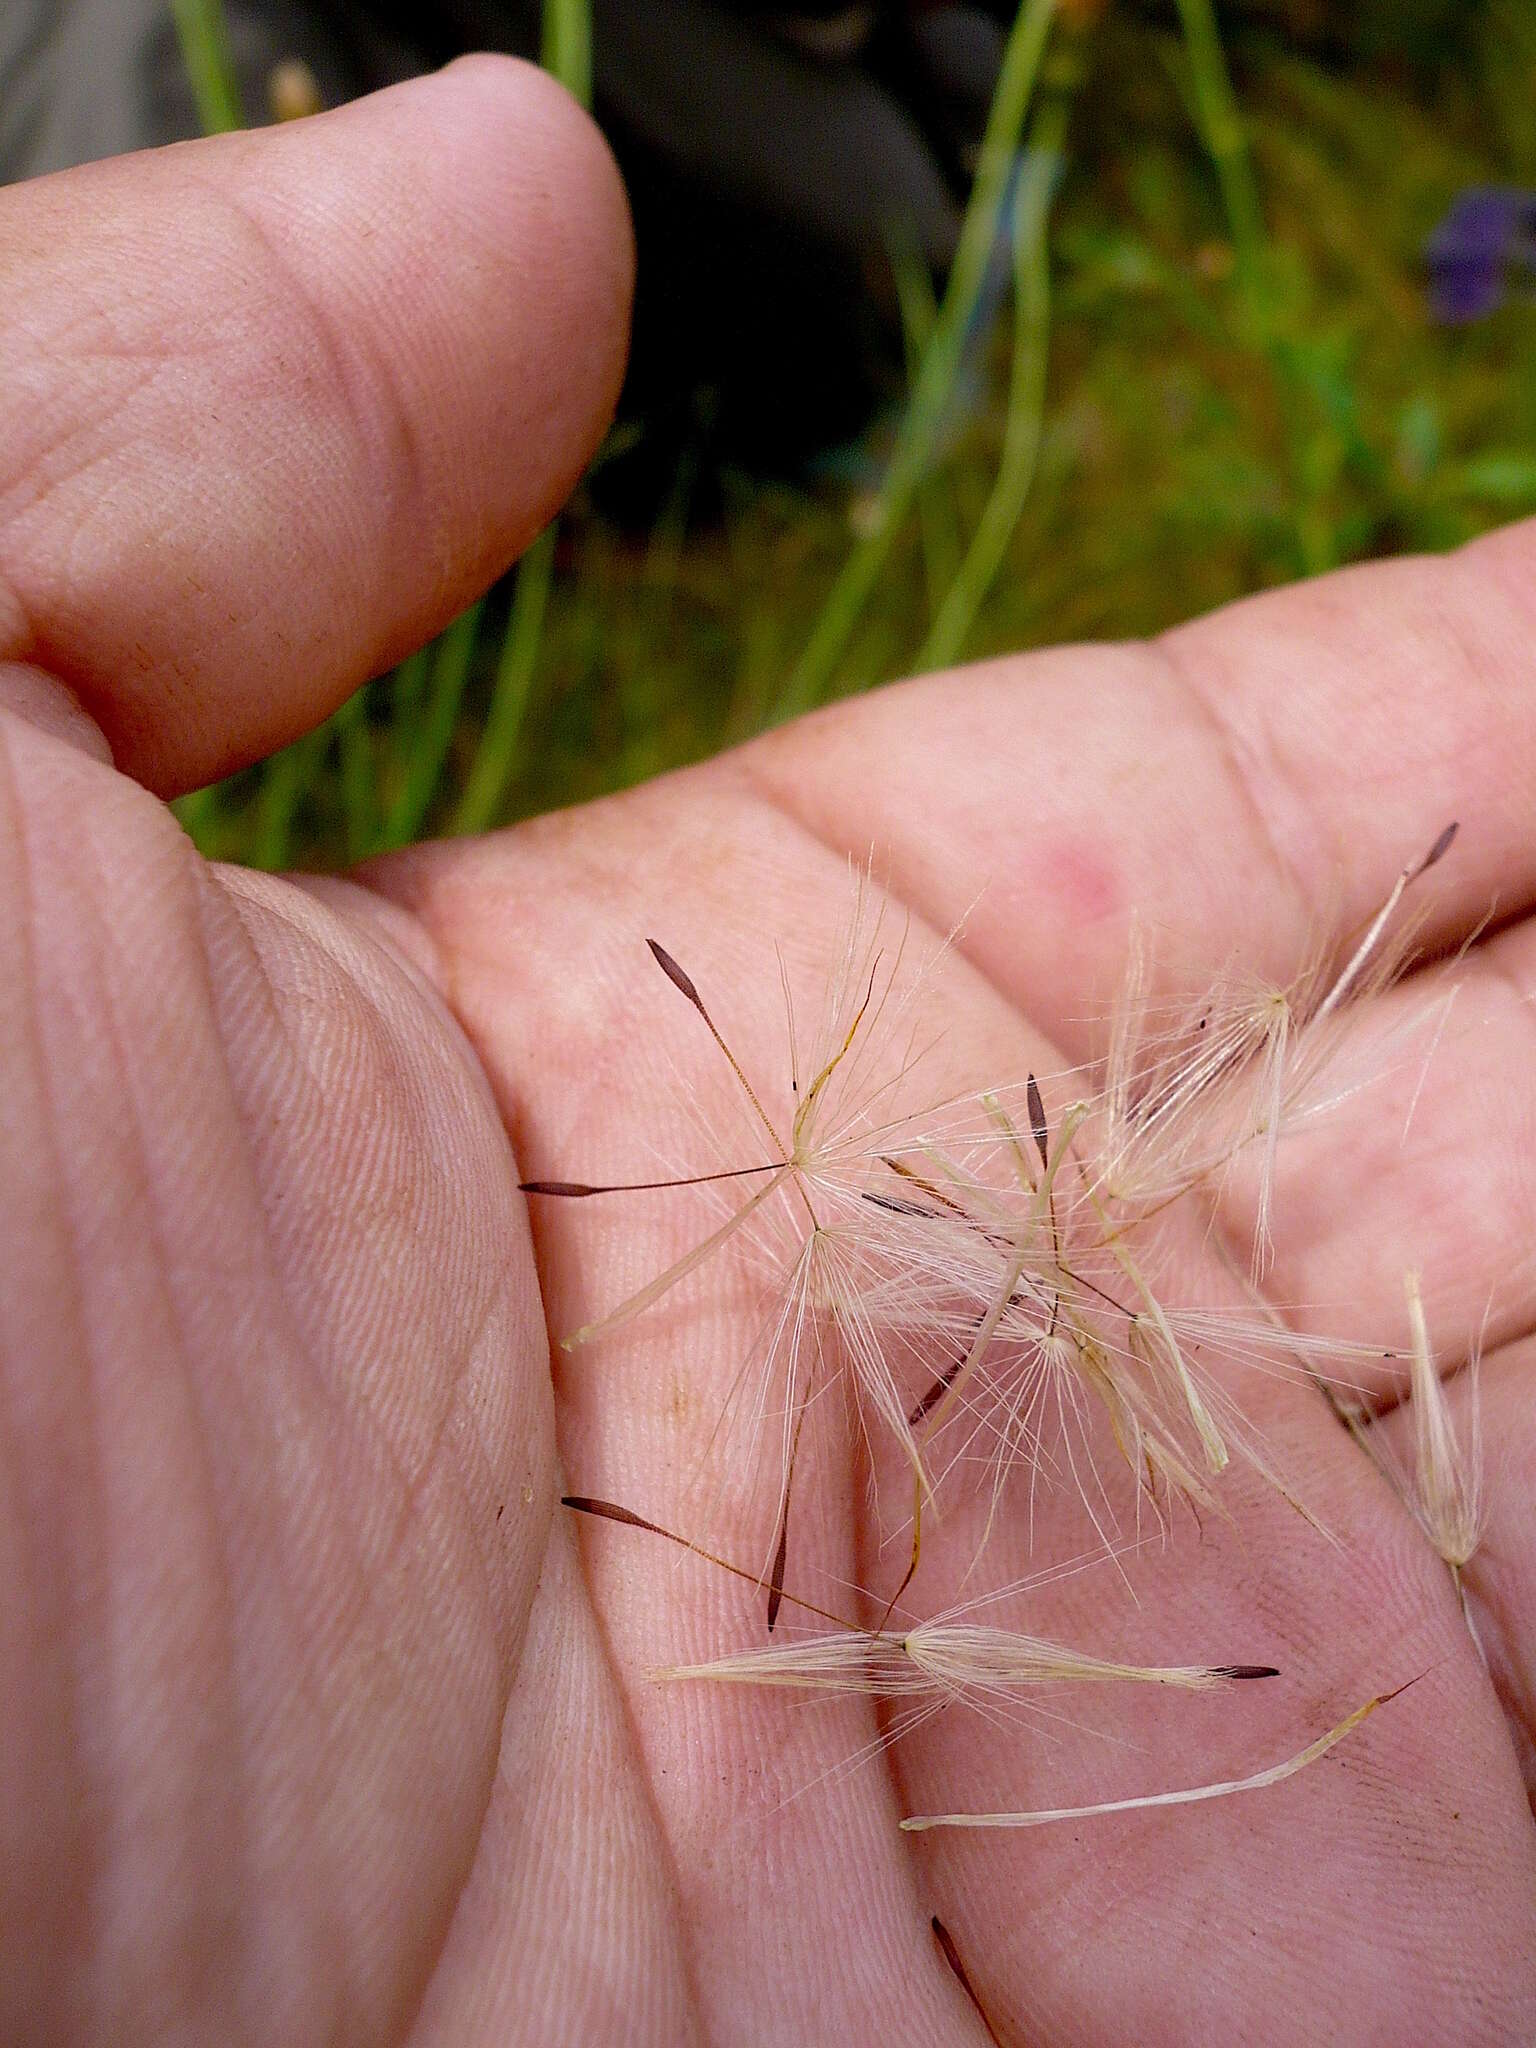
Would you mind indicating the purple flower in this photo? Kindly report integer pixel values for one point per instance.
(1486, 243)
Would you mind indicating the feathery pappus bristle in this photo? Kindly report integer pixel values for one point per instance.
(1225, 1788)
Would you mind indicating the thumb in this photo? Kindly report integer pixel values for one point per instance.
(275, 406)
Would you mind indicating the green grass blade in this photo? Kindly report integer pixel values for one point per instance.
(495, 758)
(567, 46)
(286, 779)
(1223, 133)
(410, 689)
(198, 813)
(428, 744)
(359, 791)
(936, 512)
(808, 681)
(204, 37)
(1026, 397)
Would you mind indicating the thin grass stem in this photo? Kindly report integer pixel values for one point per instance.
(1223, 133)
(485, 789)
(287, 779)
(447, 675)
(198, 813)
(359, 784)
(937, 516)
(809, 679)
(1026, 396)
(567, 46)
(204, 37)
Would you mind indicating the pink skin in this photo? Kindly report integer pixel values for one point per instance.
(322, 1722)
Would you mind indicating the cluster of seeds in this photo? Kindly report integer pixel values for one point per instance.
(998, 1282)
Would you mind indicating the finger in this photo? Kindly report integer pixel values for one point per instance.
(566, 1931)
(1491, 1413)
(1429, 1167)
(275, 1439)
(275, 406)
(1251, 777)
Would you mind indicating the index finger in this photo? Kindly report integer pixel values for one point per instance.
(1253, 782)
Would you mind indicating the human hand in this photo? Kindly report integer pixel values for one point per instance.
(322, 1723)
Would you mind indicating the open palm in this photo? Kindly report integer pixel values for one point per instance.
(322, 1722)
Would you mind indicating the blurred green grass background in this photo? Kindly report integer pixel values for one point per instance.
(1216, 373)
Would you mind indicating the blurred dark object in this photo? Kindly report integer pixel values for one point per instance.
(770, 151)
(1483, 249)
(775, 151)
(1407, 33)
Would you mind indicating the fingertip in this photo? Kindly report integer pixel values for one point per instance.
(531, 313)
(518, 112)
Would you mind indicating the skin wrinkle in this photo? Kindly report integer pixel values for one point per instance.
(460, 1427)
(361, 1619)
(404, 937)
(779, 799)
(1452, 625)
(40, 702)
(1514, 1695)
(39, 483)
(670, 1874)
(556, 1721)
(86, 1844)
(73, 527)
(349, 1619)
(230, 1716)
(455, 1418)
(35, 492)
(96, 1879)
(89, 901)
(415, 1485)
(413, 1481)
(1242, 775)
(372, 425)
(88, 334)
